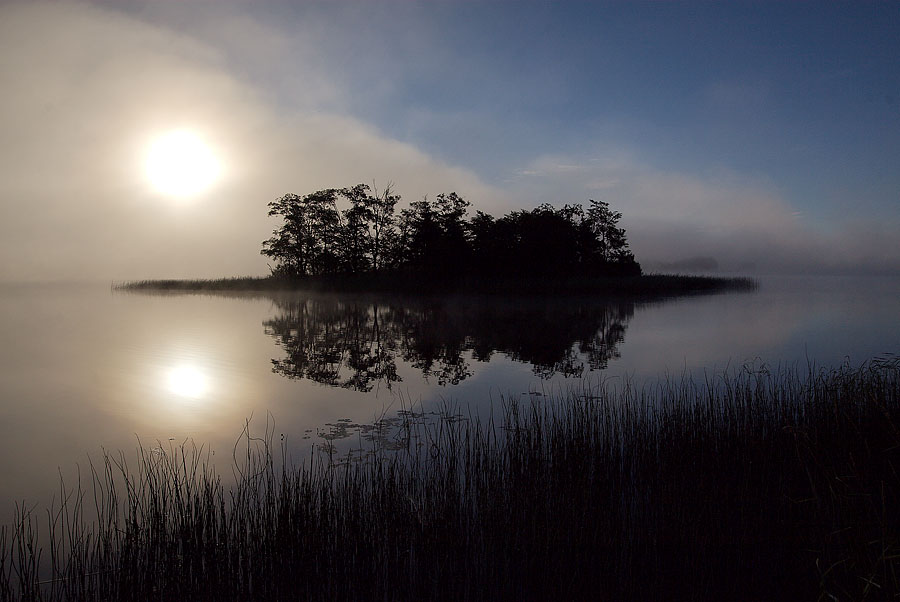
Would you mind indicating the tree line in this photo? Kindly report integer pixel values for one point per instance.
(358, 230)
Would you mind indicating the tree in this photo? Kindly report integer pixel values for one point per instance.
(286, 246)
(484, 241)
(547, 241)
(419, 234)
(434, 235)
(435, 238)
(451, 252)
(612, 246)
(369, 226)
(307, 241)
(354, 258)
(381, 210)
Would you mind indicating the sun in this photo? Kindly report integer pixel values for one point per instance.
(181, 164)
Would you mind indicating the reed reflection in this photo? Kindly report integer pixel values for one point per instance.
(356, 343)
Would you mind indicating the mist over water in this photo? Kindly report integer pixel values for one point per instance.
(83, 368)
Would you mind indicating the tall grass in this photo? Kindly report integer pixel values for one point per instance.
(751, 485)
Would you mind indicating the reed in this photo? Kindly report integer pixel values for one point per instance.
(752, 484)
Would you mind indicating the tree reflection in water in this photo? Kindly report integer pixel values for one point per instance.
(357, 342)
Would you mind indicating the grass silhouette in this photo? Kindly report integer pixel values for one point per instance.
(751, 484)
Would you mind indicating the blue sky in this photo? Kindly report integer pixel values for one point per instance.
(765, 135)
(805, 94)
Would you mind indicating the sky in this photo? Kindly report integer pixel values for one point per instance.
(762, 136)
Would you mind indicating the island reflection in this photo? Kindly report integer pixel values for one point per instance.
(357, 342)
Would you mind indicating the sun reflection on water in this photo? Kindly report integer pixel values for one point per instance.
(188, 381)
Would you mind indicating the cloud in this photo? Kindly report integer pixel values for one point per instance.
(742, 223)
(86, 88)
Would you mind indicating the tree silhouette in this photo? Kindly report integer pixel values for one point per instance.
(611, 243)
(433, 237)
(307, 242)
(370, 225)
(451, 252)
(356, 231)
(382, 234)
(420, 235)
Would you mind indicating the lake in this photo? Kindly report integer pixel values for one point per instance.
(84, 368)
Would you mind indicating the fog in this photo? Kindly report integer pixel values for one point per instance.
(743, 223)
(85, 89)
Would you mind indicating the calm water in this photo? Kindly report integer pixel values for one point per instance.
(83, 368)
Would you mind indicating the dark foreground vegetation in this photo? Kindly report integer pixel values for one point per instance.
(652, 285)
(748, 486)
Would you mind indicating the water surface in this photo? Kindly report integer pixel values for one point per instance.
(84, 368)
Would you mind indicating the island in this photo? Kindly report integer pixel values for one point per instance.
(353, 239)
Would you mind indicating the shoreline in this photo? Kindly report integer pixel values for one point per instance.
(411, 283)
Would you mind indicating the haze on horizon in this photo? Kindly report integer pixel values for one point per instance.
(763, 135)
